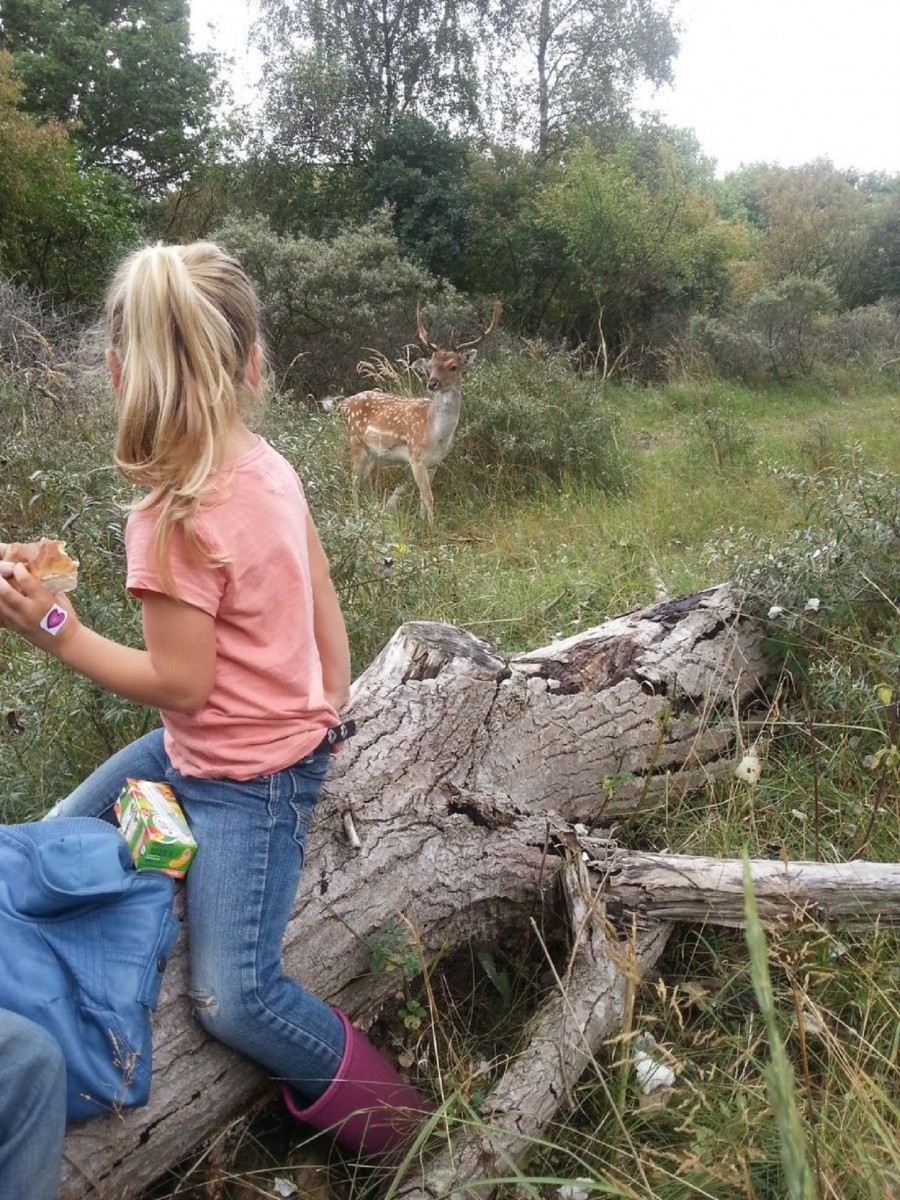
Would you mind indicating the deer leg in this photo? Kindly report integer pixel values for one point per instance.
(431, 472)
(394, 499)
(363, 466)
(423, 482)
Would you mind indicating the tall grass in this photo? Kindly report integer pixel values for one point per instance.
(562, 505)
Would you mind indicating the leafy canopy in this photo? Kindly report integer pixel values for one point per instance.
(120, 75)
(340, 72)
(61, 228)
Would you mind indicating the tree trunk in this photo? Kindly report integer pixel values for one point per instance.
(593, 996)
(465, 766)
(675, 887)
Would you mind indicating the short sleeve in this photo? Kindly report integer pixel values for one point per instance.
(195, 581)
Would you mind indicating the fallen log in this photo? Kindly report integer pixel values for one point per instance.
(676, 887)
(593, 995)
(464, 765)
(622, 905)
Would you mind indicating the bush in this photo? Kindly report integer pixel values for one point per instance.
(59, 482)
(726, 346)
(325, 304)
(866, 337)
(34, 333)
(532, 417)
(43, 346)
(778, 334)
(846, 554)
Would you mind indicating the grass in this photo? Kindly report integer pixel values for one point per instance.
(520, 558)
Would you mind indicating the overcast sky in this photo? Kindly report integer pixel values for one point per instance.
(781, 81)
(788, 81)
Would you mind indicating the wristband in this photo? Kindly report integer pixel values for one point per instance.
(53, 619)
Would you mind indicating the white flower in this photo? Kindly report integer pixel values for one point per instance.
(812, 604)
(775, 611)
(579, 1189)
(651, 1074)
(749, 769)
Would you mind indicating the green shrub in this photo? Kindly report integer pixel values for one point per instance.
(327, 304)
(778, 334)
(865, 338)
(59, 482)
(818, 447)
(727, 345)
(828, 589)
(529, 418)
(846, 554)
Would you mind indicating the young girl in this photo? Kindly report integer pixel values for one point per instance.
(247, 660)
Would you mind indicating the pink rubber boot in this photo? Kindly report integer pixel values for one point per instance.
(367, 1106)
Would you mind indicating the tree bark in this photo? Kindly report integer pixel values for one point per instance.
(675, 887)
(465, 766)
(593, 997)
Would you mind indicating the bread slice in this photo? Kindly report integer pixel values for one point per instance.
(46, 560)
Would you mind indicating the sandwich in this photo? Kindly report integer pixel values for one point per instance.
(46, 560)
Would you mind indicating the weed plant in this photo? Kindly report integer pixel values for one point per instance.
(722, 439)
(563, 504)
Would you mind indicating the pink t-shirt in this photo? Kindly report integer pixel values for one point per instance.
(267, 708)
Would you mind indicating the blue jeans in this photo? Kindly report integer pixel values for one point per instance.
(241, 884)
(32, 1109)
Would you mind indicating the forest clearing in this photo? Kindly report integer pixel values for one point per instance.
(609, 867)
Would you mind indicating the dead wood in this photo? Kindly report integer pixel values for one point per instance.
(593, 997)
(465, 763)
(676, 887)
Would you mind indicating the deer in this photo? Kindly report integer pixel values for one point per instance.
(381, 426)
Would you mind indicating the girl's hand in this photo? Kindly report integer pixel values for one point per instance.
(28, 608)
(176, 671)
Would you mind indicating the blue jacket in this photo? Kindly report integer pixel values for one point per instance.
(84, 940)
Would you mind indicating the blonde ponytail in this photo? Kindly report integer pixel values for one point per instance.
(183, 321)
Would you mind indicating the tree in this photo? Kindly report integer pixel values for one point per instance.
(509, 248)
(878, 273)
(464, 783)
(812, 221)
(340, 72)
(641, 236)
(61, 228)
(584, 59)
(120, 76)
(421, 172)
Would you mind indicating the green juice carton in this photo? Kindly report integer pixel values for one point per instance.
(153, 824)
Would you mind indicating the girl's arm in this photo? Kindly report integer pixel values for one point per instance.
(175, 672)
(328, 622)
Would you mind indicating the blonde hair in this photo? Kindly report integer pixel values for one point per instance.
(183, 321)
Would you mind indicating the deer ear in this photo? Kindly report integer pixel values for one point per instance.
(421, 366)
(467, 357)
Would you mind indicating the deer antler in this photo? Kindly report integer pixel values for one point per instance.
(423, 336)
(498, 309)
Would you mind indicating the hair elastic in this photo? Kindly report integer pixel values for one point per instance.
(53, 619)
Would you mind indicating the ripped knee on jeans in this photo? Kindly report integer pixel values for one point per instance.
(204, 1004)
